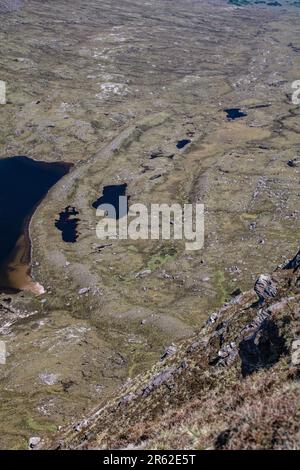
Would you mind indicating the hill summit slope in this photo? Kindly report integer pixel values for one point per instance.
(234, 385)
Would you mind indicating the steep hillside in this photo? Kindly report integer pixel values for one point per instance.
(234, 385)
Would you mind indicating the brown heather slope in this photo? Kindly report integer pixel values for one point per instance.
(234, 385)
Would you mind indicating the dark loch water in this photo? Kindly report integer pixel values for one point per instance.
(67, 224)
(23, 183)
(182, 143)
(111, 196)
(234, 113)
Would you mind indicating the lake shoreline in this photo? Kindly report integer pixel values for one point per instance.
(15, 265)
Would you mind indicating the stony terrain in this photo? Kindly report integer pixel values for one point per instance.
(107, 85)
(233, 385)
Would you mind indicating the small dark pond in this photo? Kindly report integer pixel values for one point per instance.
(111, 196)
(234, 113)
(67, 224)
(182, 143)
(23, 184)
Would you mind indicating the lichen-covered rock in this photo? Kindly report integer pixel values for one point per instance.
(295, 357)
(84, 290)
(265, 287)
(33, 442)
(168, 351)
(294, 263)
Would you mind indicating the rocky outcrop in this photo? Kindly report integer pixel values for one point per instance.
(247, 354)
(265, 287)
(294, 263)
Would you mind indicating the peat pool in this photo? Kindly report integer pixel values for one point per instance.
(111, 196)
(234, 113)
(182, 143)
(67, 223)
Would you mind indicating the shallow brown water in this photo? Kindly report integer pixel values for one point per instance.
(23, 184)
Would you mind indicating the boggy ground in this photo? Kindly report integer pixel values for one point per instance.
(103, 86)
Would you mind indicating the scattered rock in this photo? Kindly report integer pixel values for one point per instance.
(168, 352)
(212, 319)
(252, 328)
(128, 398)
(33, 442)
(296, 352)
(293, 163)
(293, 263)
(143, 273)
(159, 153)
(265, 287)
(227, 350)
(84, 290)
(79, 426)
(158, 380)
(234, 270)
(48, 378)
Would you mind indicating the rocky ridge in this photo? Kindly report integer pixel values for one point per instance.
(235, 384)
